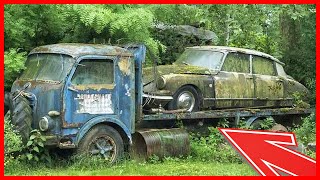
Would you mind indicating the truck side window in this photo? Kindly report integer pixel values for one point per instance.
(237, 62)
(94, 71)
(264, 66)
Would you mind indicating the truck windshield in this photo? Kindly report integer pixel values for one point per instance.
(203, 58)
(47, 67)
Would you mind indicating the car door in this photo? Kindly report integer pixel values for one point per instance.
(234, 85)
(269, 90)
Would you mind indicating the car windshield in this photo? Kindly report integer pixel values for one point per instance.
(47, 67)
(203, 58)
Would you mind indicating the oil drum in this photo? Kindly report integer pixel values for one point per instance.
(160, 142)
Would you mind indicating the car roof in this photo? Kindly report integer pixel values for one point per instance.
(77, 49)
(235, 49)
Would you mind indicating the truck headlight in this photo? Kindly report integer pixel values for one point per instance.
(46, 123)
(161, 82)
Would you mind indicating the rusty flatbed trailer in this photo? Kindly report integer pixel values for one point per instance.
(228, 113)
(146, 140)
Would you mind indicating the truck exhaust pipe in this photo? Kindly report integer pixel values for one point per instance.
(160, 142)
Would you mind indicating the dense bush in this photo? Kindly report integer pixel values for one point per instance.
(306, 133)
(213, 148)
(285, 31)
(13, 64)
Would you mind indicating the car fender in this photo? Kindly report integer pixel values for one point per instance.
(98, 120)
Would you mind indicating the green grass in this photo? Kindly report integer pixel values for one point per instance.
(173, 167)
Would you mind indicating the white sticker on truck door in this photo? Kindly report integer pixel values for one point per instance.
(94, 103)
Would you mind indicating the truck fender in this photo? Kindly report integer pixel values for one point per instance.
(98, 120)
(252, 119)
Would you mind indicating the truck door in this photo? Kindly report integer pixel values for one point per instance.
(100, 86)
(269, 90)
(234, 83)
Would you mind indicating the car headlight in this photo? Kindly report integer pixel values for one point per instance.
(46, 123)
(161, 82)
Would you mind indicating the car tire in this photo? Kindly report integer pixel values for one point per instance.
(103, 141)
(21, 116)
(185, 98)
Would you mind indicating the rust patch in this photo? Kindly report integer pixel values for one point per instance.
(124, 66)
(96, 87)
(71, 125)
(75, 49)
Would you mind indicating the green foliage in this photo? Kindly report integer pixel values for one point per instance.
(27, 26)
(35, 150)
(311, 85)
(154, 159)
(93, 16)
(213, 148)
(170, 166)
(297, 32)
(267, 123)
(285, 31)
(12, 143)
(306, 133)
(13, 64)
(87, 162)
(299, 102)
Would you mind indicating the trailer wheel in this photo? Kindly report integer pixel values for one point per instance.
(279, 128)
(103, 141)
(185, 98)
(21, 116)
(256, 125)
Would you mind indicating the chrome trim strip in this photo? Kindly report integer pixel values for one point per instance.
(157, 97)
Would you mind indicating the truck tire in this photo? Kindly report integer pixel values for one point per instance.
(185, 98)
(104, 141)
(6, 102)
(21, 116)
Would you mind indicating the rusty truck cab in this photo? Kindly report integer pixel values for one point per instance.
(73, 87)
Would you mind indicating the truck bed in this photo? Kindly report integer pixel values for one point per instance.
(227, 113)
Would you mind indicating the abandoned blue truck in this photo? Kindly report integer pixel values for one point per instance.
(90, 98)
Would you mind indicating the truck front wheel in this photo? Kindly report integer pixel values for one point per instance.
(21, 116)
(103, 141)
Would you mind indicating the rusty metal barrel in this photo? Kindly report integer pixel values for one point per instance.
(160, 142)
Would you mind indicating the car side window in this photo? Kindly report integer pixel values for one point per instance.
(263, 66)
(94, 71)
(280, 70)
(237, 62)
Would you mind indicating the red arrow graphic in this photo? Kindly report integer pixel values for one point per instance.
(269, 153)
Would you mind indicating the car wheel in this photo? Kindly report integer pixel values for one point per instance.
(185, 98)
(102, 141)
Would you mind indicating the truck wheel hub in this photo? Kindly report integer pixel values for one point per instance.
(104, 146)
